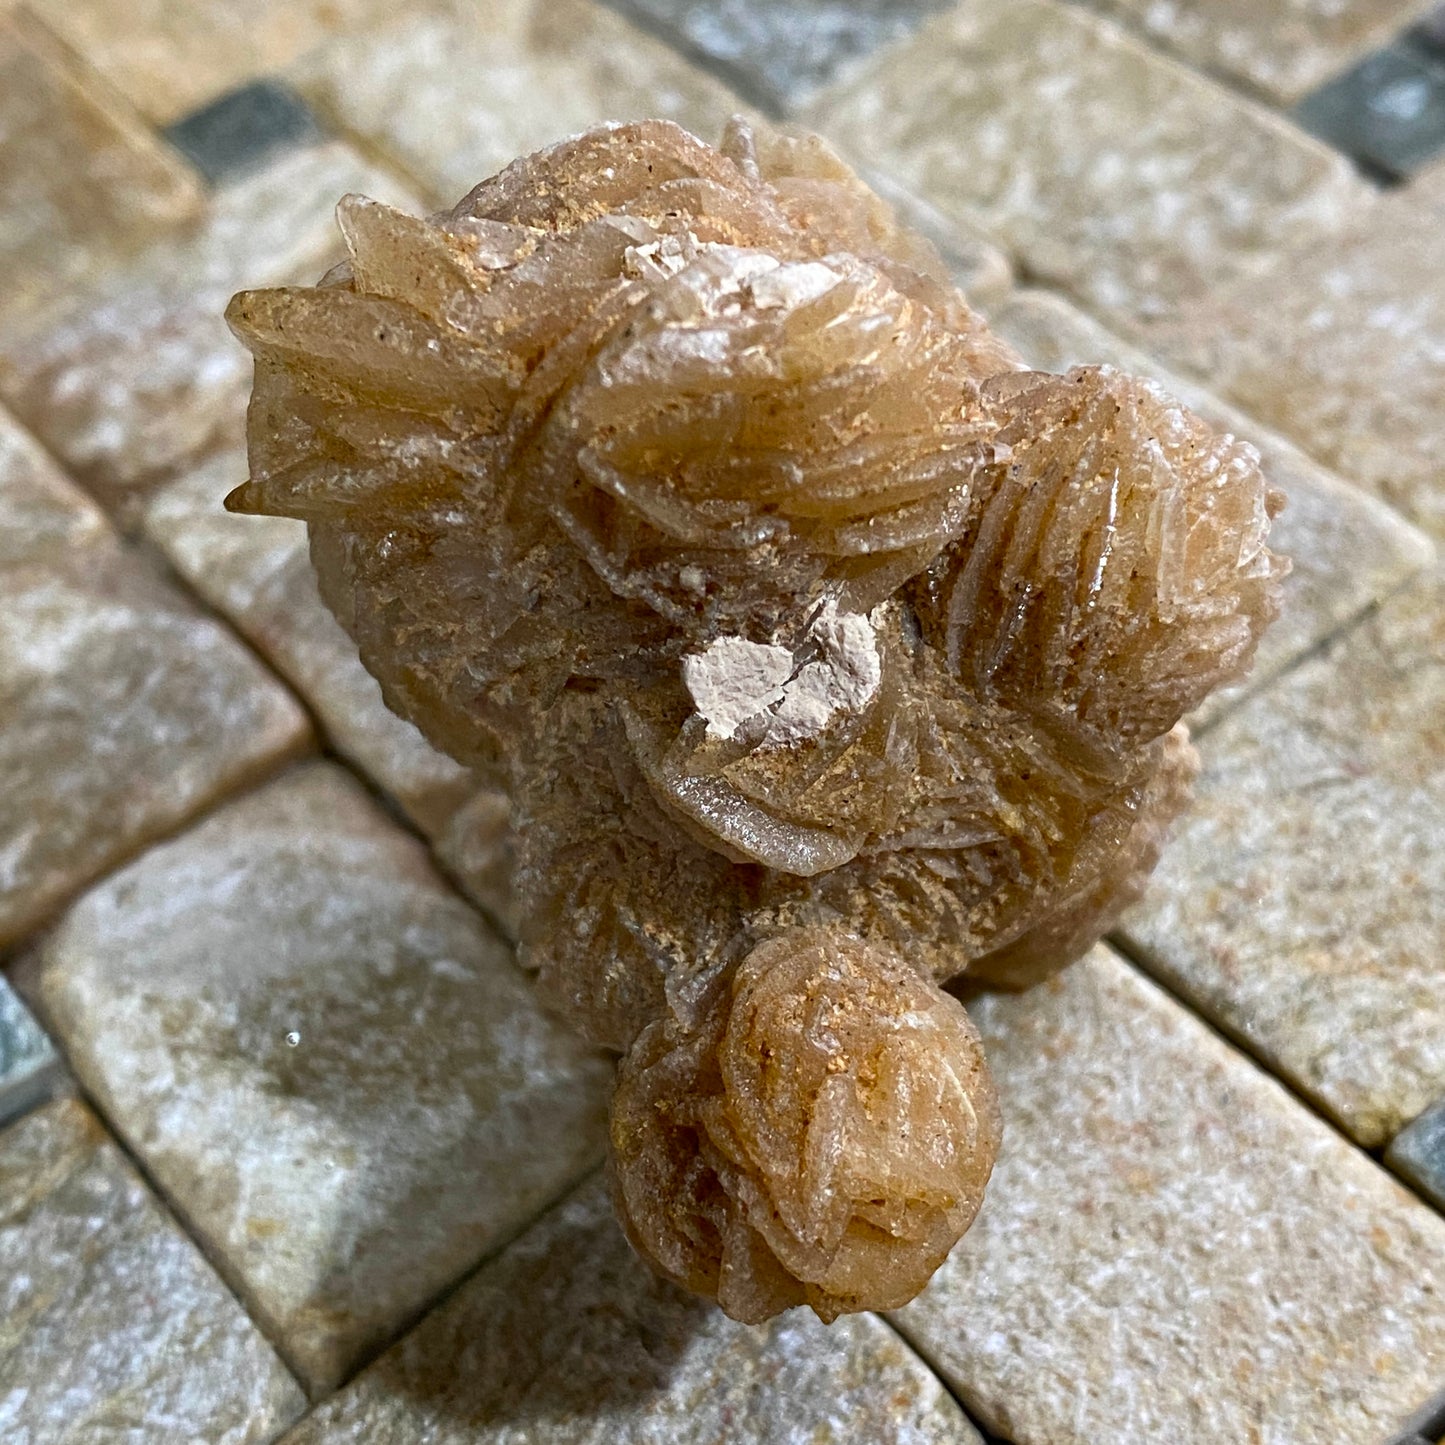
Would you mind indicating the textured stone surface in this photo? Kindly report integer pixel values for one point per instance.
(1418, 1152)
(115, 1328)
(127, 380)
(83, 184)
(1343, 349)
(324, 1057)
(169, 58)
(1388, 111)
(779, 51)
(1349, 550)
(1172, 1248)
(125, 710)
(258, 573)
(1302, 902)
(1282, 48)
(29, 1067)
(1109, 170)
(451, 98)
(568, 1338)
(43, 516)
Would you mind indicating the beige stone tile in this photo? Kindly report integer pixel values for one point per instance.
(125, 712)
(1108, 170)
(453, 98)
(1172, 1248)
(477, 849)
(42, 514)
(1342, 347)
(567, 1337)
(172, 56)
(1350, 550)
(1302, 903)
(115, 1328)
(83, 183)
(257, 571)
(324, 1057)
(128, 380)
(1282, 48)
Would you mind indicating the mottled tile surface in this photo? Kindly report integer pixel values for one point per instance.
(83, 184)
(779, 51)
(169, 57)
(43, 516)
(569, 1338)
(1418, 1152)
(257, 572)
(114, 1327)
(1281, 48)
(1172, 1248)
(1349, 550)
(125, 710)
(453, 99)
(1109, 170)
(324, 1057)
(128, 380)
(1302, 902)
(29, 1067)
(1342, 348)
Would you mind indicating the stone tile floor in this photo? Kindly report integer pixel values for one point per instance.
(287, 1150)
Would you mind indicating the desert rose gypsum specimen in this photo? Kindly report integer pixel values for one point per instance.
(826, 654)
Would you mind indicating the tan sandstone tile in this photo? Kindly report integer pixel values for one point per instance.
(172, 56)
(1109, 170)
(127, 381)
(257, 572)
(1302, 903)
(42, 514)
(84, 184)
(1349, 550)
(1282, 48)
(114, 1327)
(1172, 1248)
(452, 97)
(567, 1337)
(125, 711)
(1342, 347)
(324, 1057)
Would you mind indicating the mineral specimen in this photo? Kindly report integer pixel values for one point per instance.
(826, 654)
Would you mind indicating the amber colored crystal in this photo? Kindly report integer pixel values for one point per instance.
(827, 655)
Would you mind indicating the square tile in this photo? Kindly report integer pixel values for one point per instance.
(1387, 112)
(325, 1058)
(452, 96)
(129, 380)
(115, 1327)
(1171, 1247)
(777, 54)
(568, 1337)
(126, 711)
(1302, 902)
(84, 185)
(1109, 171)
(244, 130)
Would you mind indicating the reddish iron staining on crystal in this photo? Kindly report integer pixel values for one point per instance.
(827, 654)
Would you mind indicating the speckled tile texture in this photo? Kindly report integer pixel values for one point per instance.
(329, 1062)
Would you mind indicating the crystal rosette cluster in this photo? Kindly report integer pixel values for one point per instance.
(827, 654)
